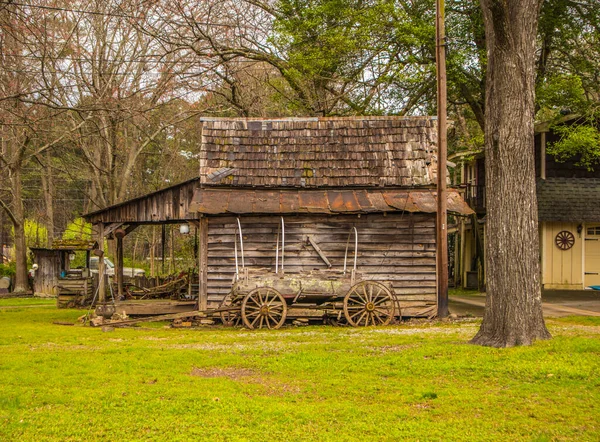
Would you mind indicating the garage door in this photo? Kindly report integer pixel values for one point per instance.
(592, 255)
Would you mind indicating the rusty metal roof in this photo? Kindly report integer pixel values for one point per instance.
(218, 201)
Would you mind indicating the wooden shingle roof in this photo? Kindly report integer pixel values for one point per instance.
(319, 152)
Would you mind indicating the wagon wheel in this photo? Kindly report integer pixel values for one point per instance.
(264, 307)
(231, 318)
(369, 303)
(564, 240)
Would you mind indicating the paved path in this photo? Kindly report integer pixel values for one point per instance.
(554, 304)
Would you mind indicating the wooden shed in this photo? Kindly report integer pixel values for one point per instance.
(326, 178)
(54, 276)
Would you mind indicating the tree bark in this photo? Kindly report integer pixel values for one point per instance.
(513, 312)
(48, 189)
(21, 281)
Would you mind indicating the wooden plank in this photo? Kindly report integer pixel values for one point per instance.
(319, 251)
(154, 307)
(203, 264)
(101, 266)
(119, 269)
(157, 318)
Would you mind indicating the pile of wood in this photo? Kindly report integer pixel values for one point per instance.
(170, 289)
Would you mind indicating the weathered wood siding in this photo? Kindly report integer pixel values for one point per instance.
(46, 276)
(399, 248)
(167, 205)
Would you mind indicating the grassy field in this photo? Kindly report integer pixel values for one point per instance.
(410, 382)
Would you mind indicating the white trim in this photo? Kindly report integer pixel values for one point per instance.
(583, 233)
(543, 251)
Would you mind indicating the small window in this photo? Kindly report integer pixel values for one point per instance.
(593, 231)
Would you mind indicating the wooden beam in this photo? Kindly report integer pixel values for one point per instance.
(203, 264)
(130, 228)
(162, 246)
(109, 229)
(101, 266)
(119, 269)
(156, 318)
(319, 251)
(442, 155)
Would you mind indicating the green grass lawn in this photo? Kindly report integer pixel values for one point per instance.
(409, 382)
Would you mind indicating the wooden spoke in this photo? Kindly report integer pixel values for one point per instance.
(263, 307)
(232, 316)
(375, 306)
(564, 240)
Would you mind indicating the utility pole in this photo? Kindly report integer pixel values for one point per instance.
(442, 153)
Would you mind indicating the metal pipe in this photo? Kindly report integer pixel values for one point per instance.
(355, 246)
(241, 242)
(282, 241)
(277, 251)
(237, 269)
(346, 253)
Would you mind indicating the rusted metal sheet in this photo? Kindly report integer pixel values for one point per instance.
(327, 202)
(210, 202)
(364, 202)
(401, 200)
(425, 201)
(220, 201)
(241, 201)
(343, 201)
(378, 202)
(314, 201)
(289, 202)
(457, 204)
(267, 202)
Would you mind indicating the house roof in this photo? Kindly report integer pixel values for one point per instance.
(319, 152)
(569, 199)
(218, 201)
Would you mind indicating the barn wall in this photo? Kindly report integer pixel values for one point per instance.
(399, 248)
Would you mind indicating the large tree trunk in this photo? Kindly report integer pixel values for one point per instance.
(21, 280)
(513, 312)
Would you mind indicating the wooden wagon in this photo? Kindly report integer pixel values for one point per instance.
(263, 298)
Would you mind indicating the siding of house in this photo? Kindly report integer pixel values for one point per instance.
(399, 248)
(561, 269)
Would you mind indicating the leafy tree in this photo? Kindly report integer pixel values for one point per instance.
(78, 229)
(579, 140)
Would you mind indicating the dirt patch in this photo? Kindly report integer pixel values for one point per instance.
(270, 386)
(223, 372)
(391, 348)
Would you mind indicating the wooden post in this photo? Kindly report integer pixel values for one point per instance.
(463, 249)
(101, 266)
(203, 265)
(162, 246)
(442, 228)
(119, 268)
